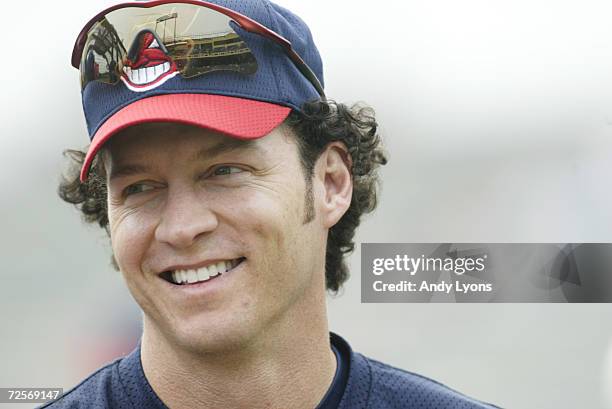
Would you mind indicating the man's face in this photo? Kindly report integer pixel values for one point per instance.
(179, 199)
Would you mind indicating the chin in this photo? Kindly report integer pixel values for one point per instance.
(212, 336)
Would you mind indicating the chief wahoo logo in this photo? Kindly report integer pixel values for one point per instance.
(147, 65)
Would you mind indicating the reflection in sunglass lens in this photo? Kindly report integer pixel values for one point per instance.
(144, 47)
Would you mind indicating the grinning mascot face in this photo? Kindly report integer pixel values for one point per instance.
(148, 64)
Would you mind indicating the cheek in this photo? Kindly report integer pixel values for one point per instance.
(278, 240)
(129, 234)
(271, 223)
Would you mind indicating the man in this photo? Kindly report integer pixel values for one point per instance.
(231, 189)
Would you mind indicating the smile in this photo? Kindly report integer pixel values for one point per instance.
(146, 75)
(182, 277)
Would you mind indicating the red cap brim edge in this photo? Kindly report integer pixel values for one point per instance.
(235, 117)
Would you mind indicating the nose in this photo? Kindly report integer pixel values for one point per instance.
(186, 217)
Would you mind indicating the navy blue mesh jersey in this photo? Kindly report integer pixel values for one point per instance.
(366, 384)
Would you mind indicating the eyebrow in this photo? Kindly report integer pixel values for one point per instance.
(217, 149)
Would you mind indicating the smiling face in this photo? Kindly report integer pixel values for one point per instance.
(148, 65)
(185, 205)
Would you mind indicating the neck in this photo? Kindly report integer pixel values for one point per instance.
(286, 365)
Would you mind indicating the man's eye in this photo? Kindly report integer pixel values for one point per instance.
(226, 170)
(136, 188)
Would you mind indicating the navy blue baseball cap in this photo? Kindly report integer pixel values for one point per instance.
(237, 67)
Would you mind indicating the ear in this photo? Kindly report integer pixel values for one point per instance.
(333, 171)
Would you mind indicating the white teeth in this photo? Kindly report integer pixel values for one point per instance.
(192, 276)
(154, 44)
(213, 270)
(150, 73)
(203, 273)
(146, 75)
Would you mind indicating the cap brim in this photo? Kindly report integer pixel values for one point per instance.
(236, 117)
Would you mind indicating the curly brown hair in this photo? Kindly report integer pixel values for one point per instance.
(318, 124)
